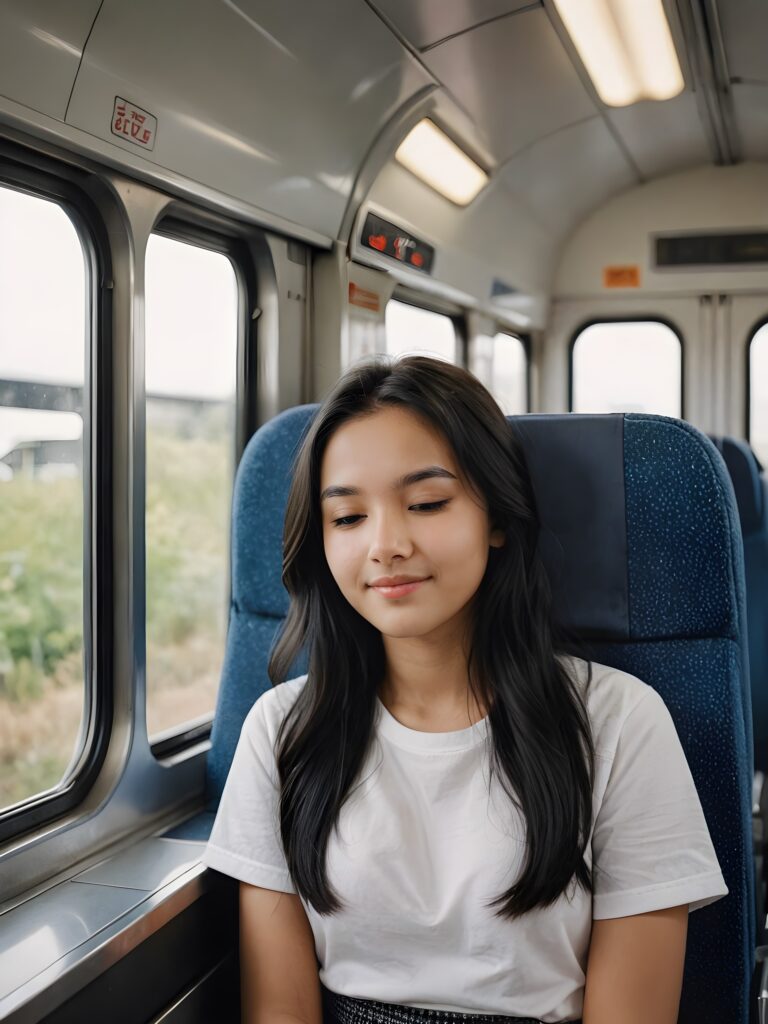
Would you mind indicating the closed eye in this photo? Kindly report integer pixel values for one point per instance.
(425, 506)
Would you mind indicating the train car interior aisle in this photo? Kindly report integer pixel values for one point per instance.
(209, 211)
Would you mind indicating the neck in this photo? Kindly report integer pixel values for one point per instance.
(426, 683)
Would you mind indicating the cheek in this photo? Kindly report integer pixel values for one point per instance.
(341, 558)
(462, 544)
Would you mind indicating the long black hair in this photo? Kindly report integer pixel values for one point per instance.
(541, 743)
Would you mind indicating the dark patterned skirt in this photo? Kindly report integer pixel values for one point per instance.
(338, 1009)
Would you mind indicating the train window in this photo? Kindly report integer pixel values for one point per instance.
(412, 329)
(627, 366)
(509, 374)
(192, 309)
(758, 393)
(43, 348)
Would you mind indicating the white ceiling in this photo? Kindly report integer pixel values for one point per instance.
(512, 68)
(295, 109)
(661, 137)
(514, 78)
(595, 167)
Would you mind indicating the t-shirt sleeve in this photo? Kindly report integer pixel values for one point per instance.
(651, 847)
(245, 839)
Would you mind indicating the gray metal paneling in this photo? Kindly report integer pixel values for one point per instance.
(40, 49)
(36, 934)
(147, 865)
(270, 103)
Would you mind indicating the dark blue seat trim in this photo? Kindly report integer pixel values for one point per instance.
(581, 509)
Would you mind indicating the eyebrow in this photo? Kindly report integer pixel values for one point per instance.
(404, 481)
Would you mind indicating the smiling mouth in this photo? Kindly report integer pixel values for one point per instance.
(400, 589)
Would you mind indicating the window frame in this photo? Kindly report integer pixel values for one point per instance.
(68, 186)
(649, 318)
(525, 340)
(751, 335)
(184, 223)
(432, 304)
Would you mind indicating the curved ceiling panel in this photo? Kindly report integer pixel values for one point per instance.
(744, 24)
(662, 137)
(596, 167)
(515, 78)
(266, 103)
(750, 104)
(428, 21)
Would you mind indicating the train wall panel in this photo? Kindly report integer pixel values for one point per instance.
(620, 234)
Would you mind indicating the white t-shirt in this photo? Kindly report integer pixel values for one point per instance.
(422, 846)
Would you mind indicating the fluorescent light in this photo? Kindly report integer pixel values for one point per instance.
(626, 47)
(432, 156)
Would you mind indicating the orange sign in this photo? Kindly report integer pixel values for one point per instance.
(365, 299)
(621, 277)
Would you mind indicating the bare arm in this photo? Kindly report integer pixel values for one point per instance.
(635, 968)
(279, 983)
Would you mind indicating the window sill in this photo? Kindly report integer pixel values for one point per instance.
(55, 944)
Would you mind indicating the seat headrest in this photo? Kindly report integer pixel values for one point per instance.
(745, 471)
(612, 509)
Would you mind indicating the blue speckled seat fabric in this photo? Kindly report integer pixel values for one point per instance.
(641, 539)
(751, 489)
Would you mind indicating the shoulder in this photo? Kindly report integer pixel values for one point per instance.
(612, 697)
(268, 712)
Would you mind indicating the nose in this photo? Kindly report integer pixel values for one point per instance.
(390, 538)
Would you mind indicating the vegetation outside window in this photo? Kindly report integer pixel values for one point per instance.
(631, 366)
(191, 377)
(43, 332)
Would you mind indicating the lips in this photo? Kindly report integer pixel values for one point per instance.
(394, 581)
(397, 586)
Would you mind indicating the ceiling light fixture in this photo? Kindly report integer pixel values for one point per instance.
(626, 47)
(428, 153)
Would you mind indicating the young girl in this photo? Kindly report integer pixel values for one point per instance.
(447, 818)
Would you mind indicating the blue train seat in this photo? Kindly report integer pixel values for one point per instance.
(641, 539)
(751, 489)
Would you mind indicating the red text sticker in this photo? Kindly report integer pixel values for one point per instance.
(133, 124)
(621, 277)
(364, 298)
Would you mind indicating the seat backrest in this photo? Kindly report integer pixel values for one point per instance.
(641, 540)
(751, 488)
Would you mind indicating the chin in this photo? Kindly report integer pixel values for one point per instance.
(407, 630)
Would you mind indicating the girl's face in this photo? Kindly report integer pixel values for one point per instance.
(405, 539)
